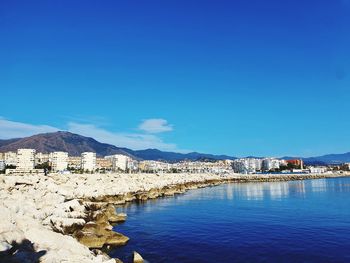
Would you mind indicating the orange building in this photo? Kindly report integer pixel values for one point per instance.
(296, 162)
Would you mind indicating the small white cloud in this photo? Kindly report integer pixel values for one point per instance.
(12, 129)
(155, 126)
(133, 141)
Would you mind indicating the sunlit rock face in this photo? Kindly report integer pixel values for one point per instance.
(46, 216)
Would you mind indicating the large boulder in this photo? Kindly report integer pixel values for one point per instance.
(95, 235)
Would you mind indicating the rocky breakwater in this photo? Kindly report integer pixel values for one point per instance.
(34, 211)
(59, 218)
(64, 218)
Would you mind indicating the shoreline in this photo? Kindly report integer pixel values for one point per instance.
(53, 212)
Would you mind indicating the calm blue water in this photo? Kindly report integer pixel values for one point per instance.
(300, 221)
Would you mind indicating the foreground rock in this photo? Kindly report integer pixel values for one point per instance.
(57, 218)
(95, 235)
(137, 258)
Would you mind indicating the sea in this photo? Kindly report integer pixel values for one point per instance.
(295, 221)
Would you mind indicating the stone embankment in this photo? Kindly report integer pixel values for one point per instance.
(68, 218)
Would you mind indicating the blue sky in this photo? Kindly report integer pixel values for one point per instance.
(267, 78)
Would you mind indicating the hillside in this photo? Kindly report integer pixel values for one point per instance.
(76, 144)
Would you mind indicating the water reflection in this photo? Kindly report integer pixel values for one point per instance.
(320, 185)
(267, 190)
(280, 190)
(246, 191)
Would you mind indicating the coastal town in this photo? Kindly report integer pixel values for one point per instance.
(29, 161)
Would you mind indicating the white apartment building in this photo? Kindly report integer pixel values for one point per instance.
(270, 164)
(119, 161)
(88, 161)
(318, 170)
(247, 165)
(133, 165)
(10, 158)
(59, 161)
(154, 166)
(25, 159)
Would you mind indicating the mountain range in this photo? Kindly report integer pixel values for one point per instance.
(76, 144)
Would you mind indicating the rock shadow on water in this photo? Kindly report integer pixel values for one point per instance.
(23, 252)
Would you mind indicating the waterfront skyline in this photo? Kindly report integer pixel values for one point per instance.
(267, 79)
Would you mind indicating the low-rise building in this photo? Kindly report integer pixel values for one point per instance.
(10, 158)
(317, 170)
(88, 161)
(74, 162)
(104, 164)
(154, 166)
(41, 158)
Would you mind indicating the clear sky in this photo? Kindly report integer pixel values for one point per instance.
(265, 78)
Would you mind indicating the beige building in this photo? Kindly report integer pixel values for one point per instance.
(10, 158)
(102, 163)
(74, 162)
(88, 161)
(59, 161)
(41, 158)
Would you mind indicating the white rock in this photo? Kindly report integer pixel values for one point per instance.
(4, 246)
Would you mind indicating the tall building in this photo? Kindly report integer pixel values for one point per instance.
(88, 161)
(59, 161)
(297, 162)
(269, 164)
(25, 159)
(119, 161)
